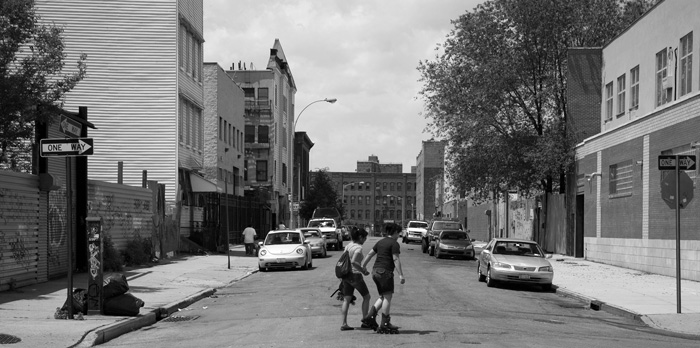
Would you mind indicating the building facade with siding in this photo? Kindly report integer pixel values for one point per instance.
(650, 103)
(143, 89)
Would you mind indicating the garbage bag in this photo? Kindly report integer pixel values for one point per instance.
(114, 285)
(79, 299)
(124, 305)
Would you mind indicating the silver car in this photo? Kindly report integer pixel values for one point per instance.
(516, 261)
(316, 240)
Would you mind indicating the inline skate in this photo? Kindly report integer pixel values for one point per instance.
(386, 327)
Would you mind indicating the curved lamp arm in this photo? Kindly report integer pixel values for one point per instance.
(327, 100)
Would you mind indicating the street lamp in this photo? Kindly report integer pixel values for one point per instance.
(327, 100)
(294, 129)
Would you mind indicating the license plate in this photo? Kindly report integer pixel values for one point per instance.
(282, 260)
(524, 276)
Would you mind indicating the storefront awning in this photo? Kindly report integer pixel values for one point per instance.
(200, 184)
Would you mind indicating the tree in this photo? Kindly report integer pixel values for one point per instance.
(321, 194)
(497, 92)
(31, 80)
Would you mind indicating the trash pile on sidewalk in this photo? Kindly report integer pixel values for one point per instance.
(117, 300)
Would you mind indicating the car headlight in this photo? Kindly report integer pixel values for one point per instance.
(501, 265)
(263, 252)
(546, 269)
(300, 251)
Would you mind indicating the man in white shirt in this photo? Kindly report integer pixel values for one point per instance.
(249, 236)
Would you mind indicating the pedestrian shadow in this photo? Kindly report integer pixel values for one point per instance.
(416, 332)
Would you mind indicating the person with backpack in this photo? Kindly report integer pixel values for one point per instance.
(355, 279)
(387, 251)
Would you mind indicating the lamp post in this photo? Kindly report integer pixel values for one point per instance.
(294, 129)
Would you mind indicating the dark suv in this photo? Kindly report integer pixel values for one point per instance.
(434, 229)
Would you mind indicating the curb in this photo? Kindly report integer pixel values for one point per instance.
(114, 330)
(598, 305)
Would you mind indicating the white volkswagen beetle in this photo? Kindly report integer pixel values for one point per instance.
(284, 249)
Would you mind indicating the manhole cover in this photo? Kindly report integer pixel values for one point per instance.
(9, 339)
(180, 318)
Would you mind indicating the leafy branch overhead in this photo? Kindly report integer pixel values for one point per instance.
(32, 82)
(321, 194)
(496, 90)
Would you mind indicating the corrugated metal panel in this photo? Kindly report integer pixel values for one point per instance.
(57, 216)
(19, 229)
(126, 211)
(131, 84)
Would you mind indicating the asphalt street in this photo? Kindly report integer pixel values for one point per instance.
(442, 303)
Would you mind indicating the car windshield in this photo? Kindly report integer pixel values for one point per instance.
(312, 234)
(283, 238)
(447, 225)
(418, 224)
(518, 248)
(455, 235)
(321, 223)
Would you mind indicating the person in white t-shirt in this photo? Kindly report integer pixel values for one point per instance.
(355, 280)
(249, 236)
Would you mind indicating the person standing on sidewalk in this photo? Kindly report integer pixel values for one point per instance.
(355, 280)
(249, 236)
(387, 251)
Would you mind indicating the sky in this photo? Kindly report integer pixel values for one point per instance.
(365, 53)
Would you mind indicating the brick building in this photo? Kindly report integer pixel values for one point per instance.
(649, 107)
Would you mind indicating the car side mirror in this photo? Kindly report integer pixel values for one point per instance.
(306, 242)
(260, 243)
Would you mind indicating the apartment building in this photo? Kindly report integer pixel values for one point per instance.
(649, 100)
(269, 131)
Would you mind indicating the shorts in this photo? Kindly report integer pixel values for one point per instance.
(384, 279)
(355, 281)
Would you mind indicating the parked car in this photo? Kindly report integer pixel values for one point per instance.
(516, 261)
(414, 231)
(329, 229)
(284, 249)
(453, 243)
(434, 228)
(316, 240)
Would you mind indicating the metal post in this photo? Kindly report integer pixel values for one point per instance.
(69, 231)
(678, 236)
(228, 246)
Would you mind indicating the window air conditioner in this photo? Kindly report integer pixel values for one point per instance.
(667, 82)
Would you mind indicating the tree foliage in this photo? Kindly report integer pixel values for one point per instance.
(321, 194)
(31, 79)
(496, 91)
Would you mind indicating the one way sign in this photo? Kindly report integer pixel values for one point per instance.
(685, 162)
(66, 147)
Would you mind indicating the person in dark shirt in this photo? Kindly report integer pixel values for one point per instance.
(387, 251)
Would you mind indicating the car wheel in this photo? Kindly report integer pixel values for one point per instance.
(306, 265)
(489, 281)
(424, 246)
(478, 271)
(325, 252)
(311, 263)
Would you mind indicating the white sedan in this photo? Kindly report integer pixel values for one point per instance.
(284, 249)
(516, 261)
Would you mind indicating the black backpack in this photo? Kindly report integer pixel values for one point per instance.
(343, 268)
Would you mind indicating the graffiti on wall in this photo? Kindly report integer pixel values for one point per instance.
(57, 225)
(14, 216)
(521, 219)
(118, 214)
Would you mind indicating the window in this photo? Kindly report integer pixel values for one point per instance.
(263, 93)
(384, 186)
(352, 213)
(249, 92)
(249, 134)
(181, 120)
(263, 134)
(367, 214)
(621, 95)
(367, 186)
(284, 173)
(608, 101)
(686, 64)
(621, 179)
(634, 88)
(392, 186)
(367, 201)
(225, 130)
(399, 186)
(663, 95)
(261, 170)
(352, 200)
(220, 129)
(359, 214)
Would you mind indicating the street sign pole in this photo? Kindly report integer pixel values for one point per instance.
(678, 235)
(69, 230)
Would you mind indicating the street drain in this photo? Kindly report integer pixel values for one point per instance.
(9, 339)
(180, 318)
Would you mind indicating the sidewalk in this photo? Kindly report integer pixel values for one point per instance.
(27, 313)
